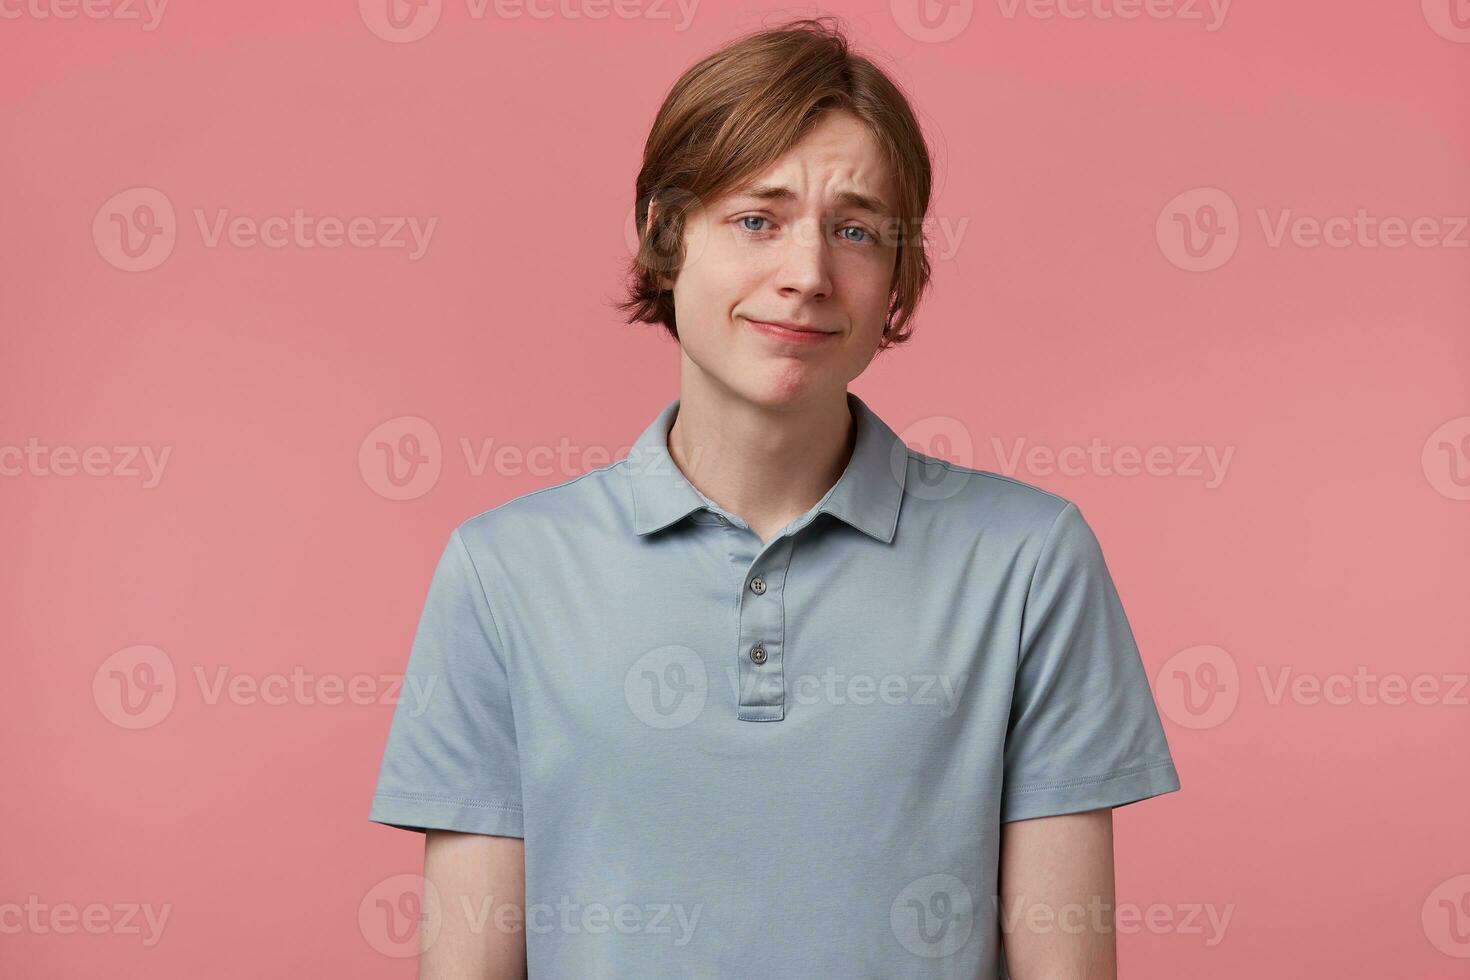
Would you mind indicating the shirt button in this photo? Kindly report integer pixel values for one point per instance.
(758, 585)
(758, 654)
(722, 519)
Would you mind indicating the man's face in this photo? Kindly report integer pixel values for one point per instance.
(807, 242)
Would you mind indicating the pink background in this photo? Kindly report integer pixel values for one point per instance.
(1333, 835)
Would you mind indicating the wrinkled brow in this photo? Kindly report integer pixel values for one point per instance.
(848, 199)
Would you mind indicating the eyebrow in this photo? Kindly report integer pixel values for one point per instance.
(850, 199)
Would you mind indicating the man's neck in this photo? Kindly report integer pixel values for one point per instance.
(766, 465)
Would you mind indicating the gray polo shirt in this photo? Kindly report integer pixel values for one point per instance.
(787, 759)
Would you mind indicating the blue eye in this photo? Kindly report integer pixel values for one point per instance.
(866, 236)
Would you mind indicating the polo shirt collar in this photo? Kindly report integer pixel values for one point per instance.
(867, 495)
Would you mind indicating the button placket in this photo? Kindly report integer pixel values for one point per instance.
(761, 634)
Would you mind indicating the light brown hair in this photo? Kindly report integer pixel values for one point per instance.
(737, 111)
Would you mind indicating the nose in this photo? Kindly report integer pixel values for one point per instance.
(806, 261)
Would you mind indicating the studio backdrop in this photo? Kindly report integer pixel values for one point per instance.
(291, 290)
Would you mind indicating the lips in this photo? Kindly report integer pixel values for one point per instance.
(791, 335)
(791, 325)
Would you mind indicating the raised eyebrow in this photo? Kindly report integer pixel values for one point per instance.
(848, 199)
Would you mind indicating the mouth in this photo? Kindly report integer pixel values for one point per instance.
(793, 333)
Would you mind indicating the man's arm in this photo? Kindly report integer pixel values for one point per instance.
(1057, 894)
(481, 881)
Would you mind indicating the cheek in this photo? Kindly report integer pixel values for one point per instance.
(709, 267)
(866, 284)
(733, 268)
(716, 291)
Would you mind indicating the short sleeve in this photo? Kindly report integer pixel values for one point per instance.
(1084, 732)
(451, 759)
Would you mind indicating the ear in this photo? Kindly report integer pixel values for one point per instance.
(652, 209)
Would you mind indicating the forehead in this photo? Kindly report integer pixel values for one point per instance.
(839, 161)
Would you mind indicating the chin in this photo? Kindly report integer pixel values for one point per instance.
(783, 383)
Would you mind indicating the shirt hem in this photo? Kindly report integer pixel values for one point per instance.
(421, 814)
(1075, 796)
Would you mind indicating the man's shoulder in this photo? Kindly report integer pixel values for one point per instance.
(983, 497)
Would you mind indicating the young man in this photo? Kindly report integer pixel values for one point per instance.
(763, 698)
